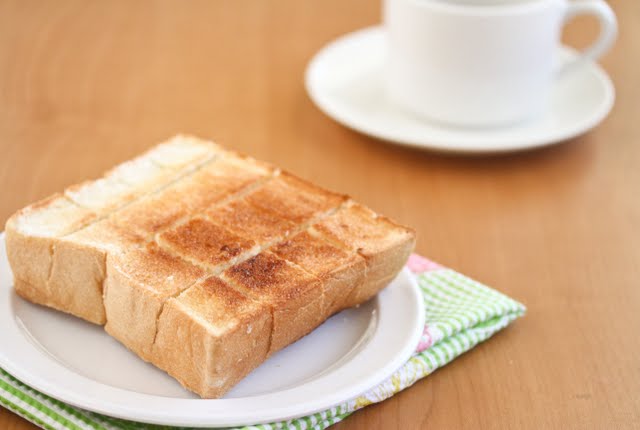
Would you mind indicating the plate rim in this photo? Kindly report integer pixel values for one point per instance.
(75, 386)
(450, 146)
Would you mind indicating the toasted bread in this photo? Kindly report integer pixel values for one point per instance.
(32, 232)
(211, 336)
(138, 284)
(294, 296)
(383, 244)
(341, 272)
(202, 261)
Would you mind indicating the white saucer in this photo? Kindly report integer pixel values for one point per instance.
(345, 81)
(78, 363)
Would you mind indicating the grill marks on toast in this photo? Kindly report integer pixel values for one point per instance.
(237, 228)
(250, 221)
(249, 230)
(340, 271)
(233, 235)
(84, 208)
(284, 289)
(295, 199)
(190, 238)
(196, 248)
(383, 244)
(206, 244)
(225, 179)
(206, 238)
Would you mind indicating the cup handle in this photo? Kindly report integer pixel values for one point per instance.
(608, 30)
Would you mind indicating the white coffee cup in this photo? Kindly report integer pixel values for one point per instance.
(482, 63)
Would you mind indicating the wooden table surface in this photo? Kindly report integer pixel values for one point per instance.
(84, 85)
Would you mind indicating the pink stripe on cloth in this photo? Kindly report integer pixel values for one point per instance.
(425, 341)
(419, 264)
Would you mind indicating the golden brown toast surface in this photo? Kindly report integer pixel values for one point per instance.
(201, 260)
(251, 221)
(313, 254)
(358, 228)
(270, 279)
(154, 268)
(219, 305)
(295, 199)
(205, 243)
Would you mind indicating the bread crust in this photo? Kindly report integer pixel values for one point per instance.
(31, 235)
(138, 284)
(211, 336)
(339, 271)
(384, 245)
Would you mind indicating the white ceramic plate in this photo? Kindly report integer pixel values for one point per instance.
(345, 80)
(78, 363)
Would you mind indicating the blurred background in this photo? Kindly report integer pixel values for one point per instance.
(85, 85)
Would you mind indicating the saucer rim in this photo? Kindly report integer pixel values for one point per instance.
(463, 144)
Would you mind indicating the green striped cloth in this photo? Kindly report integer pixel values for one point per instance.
(460, 313)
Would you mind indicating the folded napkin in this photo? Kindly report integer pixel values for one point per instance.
(460, 313)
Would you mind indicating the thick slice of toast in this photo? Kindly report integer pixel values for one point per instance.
(201, 260)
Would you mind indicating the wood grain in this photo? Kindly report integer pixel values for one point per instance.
(84, 85)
